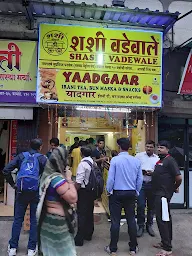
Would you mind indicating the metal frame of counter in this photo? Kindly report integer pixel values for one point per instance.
(105, 197)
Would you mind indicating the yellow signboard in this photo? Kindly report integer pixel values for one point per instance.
(99, 66)
(18, 61)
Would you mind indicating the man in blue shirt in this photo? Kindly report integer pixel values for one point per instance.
(124, 183)
(23, 199)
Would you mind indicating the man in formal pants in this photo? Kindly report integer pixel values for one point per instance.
(148, 161)
(166, 180)
(85, 204)
(123, 185)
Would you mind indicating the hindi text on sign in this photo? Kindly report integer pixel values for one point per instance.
(100, 66)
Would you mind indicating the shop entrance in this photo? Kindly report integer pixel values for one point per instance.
(101, 126)
(15, 137)
(109, 127)
(6, 203)
(4, 138)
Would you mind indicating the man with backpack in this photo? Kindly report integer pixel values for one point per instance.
(30, 166)
(89, 183)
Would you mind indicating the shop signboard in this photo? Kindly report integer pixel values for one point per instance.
(18, 61)
(185, 87)
(99, 66)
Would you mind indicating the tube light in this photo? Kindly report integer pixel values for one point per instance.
(119, 3)
(100, 59)
(102, 109)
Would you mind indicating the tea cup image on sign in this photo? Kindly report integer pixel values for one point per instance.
(154, 98)
(47, 86)
(147, 89)
(47, 95)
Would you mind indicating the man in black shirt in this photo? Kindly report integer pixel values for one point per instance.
(99, 154)
(75, 145)
(166, 180)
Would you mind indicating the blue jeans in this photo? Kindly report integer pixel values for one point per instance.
(123, 199)
(21, 203)
(146, 196)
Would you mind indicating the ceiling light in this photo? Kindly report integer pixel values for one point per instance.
(100, 59)
(119, 3)
(102, 109)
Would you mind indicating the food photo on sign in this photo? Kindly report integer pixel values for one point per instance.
(48, 90)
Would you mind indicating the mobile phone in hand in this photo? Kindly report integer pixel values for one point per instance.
(144, 172)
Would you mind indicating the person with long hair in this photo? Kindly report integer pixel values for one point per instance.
(57, 192)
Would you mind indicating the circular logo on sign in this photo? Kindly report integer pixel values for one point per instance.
(55, 43)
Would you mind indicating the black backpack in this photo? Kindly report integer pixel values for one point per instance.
(96, 182)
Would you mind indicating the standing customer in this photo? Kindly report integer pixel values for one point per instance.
(57, 191)
(123, 185)
(148, 161)
(91, 144)
(85, 204)
(30, 164)
(166, 180)
(75, 145)
(99, 154)
(76, 157)
(54, 143)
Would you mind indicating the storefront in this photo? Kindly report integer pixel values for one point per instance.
(95, 89)
(107, 70)
(103, 89)
(17, 101)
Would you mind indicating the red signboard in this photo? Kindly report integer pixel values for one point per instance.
(186, 81)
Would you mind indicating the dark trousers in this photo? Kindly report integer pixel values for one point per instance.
(21, 203)
(85, 207)
(146, 196)
(165, 227)
(123, 199)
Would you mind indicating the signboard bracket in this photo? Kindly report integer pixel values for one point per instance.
(29, 14)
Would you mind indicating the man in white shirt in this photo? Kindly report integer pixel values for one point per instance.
(148, 161)
(85, 204)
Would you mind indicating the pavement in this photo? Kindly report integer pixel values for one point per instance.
(182, 237)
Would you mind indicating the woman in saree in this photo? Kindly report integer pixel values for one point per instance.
(56, 191)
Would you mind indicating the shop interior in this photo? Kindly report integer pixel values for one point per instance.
(6, 202)
(107, 123)
(3, 152)
(110, 124)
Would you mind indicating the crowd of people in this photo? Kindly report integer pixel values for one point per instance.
(55, 194)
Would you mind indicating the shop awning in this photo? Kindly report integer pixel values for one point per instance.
(58, 9)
